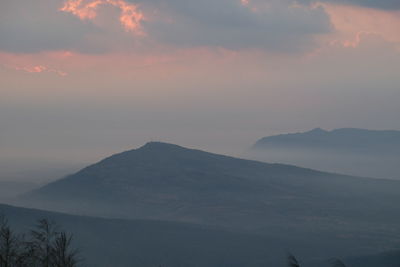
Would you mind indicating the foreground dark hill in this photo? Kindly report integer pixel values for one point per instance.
(125, 243)
(354, 151)
(169, 182)
(122, 243)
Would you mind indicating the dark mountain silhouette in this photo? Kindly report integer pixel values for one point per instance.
(168, 182)
(354, 151)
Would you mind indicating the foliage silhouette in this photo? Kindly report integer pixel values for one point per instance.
(44, 247)
(293, 262)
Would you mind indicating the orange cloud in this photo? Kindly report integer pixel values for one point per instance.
(81, 9)
(130, 17)
(40, 69)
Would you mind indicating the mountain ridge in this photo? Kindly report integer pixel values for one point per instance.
(334, 139)
(352, 151)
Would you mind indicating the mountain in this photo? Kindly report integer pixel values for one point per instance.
(346, 139)
(328, 212)
(353, 151)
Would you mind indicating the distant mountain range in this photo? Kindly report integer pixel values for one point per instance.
(347, 140)
(353, 151)
(332, 214)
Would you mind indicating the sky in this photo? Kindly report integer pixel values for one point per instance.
(82, 79)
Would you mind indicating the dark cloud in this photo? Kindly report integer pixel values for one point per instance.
(279, 26)
(34, 26)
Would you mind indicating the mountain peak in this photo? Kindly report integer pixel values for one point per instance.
(148, 151)
(318, 131)
(159, 145)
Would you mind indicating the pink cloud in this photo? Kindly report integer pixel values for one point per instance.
(245, 2)
(40, 69)
(357, 39)
(130, 17)
(81, 9)
(352, 23)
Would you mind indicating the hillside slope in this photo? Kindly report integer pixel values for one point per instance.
(168, 182)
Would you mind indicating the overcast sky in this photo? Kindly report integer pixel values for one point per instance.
(81, 79)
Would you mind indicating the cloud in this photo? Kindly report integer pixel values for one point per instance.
(40, 69)
(378, 4)
(234, 24)
(351, 23)
(35, 26)
(94, 26)
(130, 16)
(143, 26)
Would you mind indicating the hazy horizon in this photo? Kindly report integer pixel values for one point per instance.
(86, 84)
(39, 170)
(83, 80)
